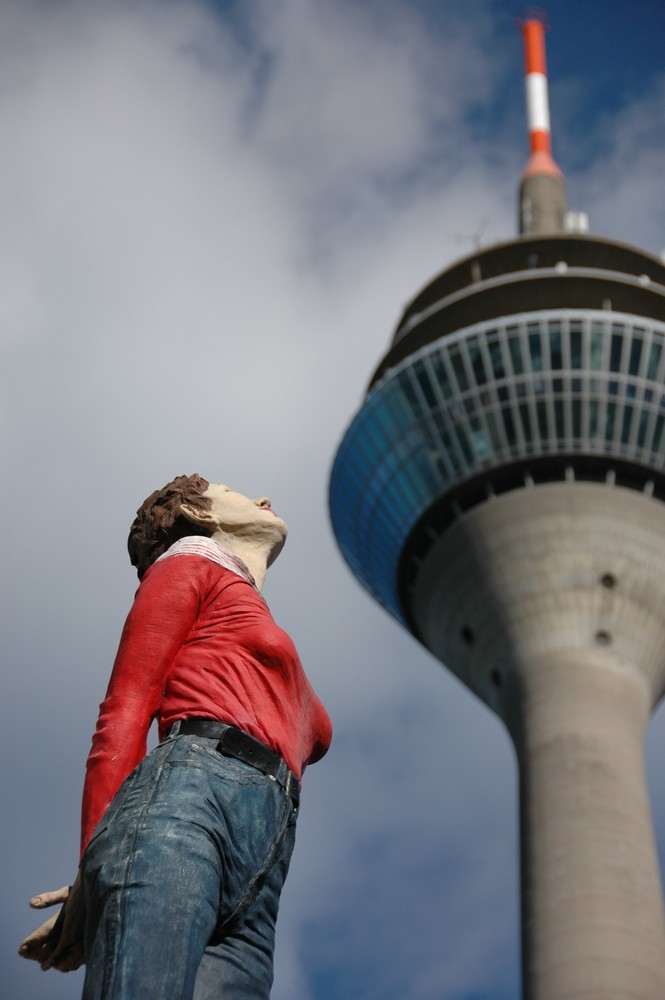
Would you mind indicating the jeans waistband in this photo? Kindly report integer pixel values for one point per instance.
(234, 742)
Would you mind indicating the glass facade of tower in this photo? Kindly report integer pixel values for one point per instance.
(522, 389)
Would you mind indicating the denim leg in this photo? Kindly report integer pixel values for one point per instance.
(240, 966)
(186, 848)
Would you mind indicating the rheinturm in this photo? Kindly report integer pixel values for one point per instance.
(501, 492)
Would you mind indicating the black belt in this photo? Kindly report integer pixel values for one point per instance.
(234, 742)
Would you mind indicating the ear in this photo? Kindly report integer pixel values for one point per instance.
(201, 518)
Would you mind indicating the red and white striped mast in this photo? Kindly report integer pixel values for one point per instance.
(542, 199)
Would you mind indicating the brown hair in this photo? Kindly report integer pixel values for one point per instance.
(159, 522)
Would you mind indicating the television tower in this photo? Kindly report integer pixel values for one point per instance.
(501, 492)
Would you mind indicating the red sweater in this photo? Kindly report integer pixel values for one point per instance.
(199, 641)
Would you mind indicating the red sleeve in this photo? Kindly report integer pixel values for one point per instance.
(164, 610)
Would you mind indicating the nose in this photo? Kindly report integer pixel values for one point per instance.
(263, 502)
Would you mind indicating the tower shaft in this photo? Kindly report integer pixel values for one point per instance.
(592, 915)
(548, 602)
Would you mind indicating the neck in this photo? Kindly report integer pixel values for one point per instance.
(255, 554)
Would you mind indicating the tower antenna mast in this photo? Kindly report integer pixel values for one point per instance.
(542, 200)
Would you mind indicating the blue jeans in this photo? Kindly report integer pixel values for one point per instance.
(183, 877)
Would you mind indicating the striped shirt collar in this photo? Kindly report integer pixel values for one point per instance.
(199, 545)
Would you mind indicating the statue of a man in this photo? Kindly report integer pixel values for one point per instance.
(184, 851)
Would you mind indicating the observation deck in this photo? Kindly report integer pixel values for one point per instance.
(537, 360)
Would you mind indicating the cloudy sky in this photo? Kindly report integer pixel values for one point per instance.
(212, 216)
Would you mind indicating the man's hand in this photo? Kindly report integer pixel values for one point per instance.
(58, 942)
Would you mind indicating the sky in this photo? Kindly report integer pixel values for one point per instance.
(212, 217)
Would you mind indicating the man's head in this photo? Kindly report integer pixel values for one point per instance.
(160, 521)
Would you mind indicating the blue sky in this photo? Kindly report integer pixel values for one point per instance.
(212, 218)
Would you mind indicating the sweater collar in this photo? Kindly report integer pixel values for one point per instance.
(199, 545)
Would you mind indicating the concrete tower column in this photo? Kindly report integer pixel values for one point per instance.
(548, 601)
(592, 916)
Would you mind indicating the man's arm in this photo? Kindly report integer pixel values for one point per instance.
(164, 610)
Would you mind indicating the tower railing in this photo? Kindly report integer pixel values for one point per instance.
(578, 383)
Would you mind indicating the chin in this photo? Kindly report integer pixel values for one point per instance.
(278, 546)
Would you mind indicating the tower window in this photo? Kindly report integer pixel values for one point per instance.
(635, 355)
(654, 360)
(535, 347)
(555, 346)
(516, 355)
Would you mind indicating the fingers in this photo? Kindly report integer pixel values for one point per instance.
(58, 942)
(45, 899)
(33, 945)
(44, 940)
(44, 946)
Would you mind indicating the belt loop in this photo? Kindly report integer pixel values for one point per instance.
(175, 728)
(292, 788)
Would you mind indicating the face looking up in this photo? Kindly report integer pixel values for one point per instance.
(237, 514)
